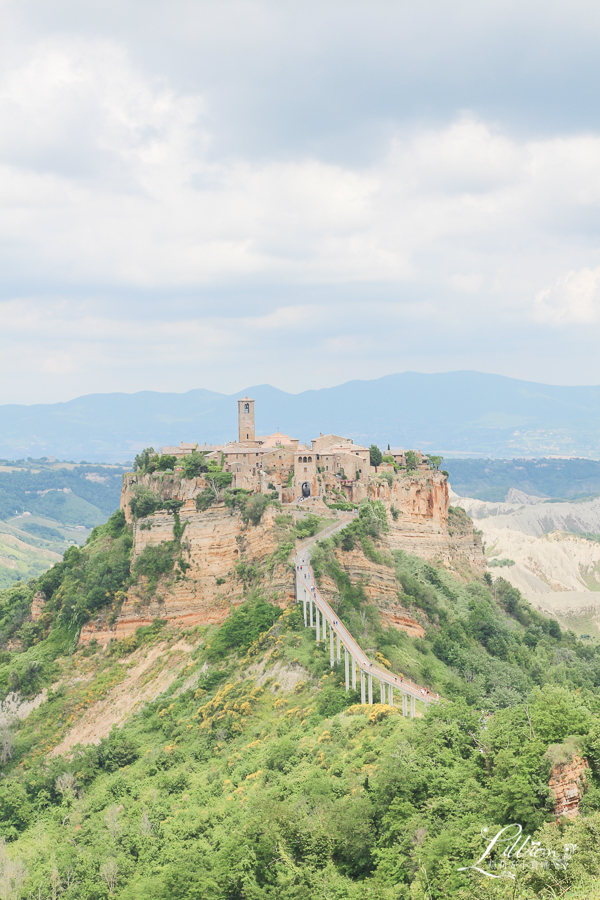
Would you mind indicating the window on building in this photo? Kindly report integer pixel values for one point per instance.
(310, 458)
(246, 407)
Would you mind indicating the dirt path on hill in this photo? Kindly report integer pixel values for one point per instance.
(149, 677)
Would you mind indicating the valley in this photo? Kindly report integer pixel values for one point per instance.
(46, 506)
(549, 550)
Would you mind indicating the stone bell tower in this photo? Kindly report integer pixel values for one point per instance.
(246, 420)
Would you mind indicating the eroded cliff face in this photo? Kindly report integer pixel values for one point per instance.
(225, 558)
(420, 522)
(168, 486)
(380, 587)
(566, 785)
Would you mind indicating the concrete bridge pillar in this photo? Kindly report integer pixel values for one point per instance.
(370, 689)
(390, 694)
(382, 692)
(310, 603)
(331, 651)
(353, 674)
(413, 709)
(404, 705)
(347, 668)
(304, 603)
(339, 650)
(362, 687)
(317, 619)
(324, 624)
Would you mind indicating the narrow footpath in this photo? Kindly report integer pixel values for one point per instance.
(318, 614)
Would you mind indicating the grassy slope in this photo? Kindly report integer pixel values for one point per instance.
(256, 776)
(227, 788)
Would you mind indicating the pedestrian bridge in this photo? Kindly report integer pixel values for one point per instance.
(319, 615)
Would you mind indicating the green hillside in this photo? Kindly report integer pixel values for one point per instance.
(46, 506)
(255, 775)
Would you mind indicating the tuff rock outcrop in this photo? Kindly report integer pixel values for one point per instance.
(567, 781)
(225, 558)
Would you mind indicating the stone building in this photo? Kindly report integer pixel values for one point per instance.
(278, 461)
(336, 457)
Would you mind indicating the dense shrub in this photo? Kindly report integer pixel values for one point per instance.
(243, 627)
(144, 502)
(155, 561)
(116, 751)
(91, 577)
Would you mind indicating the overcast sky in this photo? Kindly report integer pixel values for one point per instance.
(220, 194)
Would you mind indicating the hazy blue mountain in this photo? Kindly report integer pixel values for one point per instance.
(491, 479)
(455, 413)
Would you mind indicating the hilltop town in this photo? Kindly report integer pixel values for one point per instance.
(231, 514)
(331, 465)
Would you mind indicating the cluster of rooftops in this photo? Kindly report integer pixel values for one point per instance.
(252, 458)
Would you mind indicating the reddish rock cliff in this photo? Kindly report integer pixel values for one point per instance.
(566, 785)
(227, 558)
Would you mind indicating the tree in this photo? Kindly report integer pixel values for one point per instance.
(111, 820)
(412, 461)
(194, 464)
(254, 509)
(436, 461)
(142, 459)
(109, 872)
(6, 746)
(376, 455)
(12, 875)
(65, 785)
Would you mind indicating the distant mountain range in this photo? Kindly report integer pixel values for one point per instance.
(455, 413)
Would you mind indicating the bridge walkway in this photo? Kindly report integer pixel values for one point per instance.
(319, 614)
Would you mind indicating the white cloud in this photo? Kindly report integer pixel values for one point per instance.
(59, 364)
(468, 283)
(132, 243)
(574, 298)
